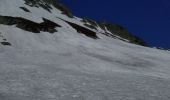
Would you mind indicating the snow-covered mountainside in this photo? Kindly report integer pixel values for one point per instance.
(46, 53)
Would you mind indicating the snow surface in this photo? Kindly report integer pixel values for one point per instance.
(67, 65)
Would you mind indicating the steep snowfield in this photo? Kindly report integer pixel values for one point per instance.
(67, 65)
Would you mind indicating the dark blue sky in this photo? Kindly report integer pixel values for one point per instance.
(148, 19)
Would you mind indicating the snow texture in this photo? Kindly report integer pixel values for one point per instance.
(67, 65)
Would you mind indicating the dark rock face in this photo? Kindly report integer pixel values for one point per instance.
(38, 3)
(27, 25)
(122, 32)
(24, 9)
(115, 30)
(90, 23)
(6, 43)
(83, 30)
(46, 4)
(3, 40)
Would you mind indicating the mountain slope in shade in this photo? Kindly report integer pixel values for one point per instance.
(46, 54)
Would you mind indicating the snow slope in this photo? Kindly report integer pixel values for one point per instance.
(67, 65)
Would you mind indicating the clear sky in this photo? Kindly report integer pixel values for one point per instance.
(148, 19)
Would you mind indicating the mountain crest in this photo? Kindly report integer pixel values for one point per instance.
(46, 53)
(86, 26)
